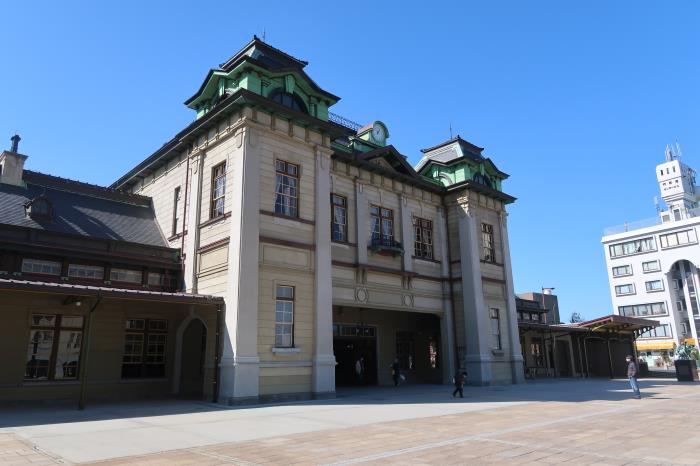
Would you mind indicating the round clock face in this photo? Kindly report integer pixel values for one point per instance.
(378, 133)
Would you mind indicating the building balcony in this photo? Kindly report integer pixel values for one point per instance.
(385, 245)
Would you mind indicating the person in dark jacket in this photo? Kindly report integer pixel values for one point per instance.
(460, 380)
(396, 372)
(632, 375)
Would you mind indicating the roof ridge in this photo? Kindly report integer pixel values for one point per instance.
(257, 40)
(67, 183)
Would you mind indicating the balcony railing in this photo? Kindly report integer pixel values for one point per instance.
(385, 244)
(665, 216)
(342, 121)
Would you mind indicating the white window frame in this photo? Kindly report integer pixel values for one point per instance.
(676, 239)
(627, 274)
(88, 272)
(645, 268)
(41, 267)
(619, 293)
(654, 290)
(284, 328)
(629, 248)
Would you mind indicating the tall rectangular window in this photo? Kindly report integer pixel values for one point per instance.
(41, 267)
(176, 207)
(218, 190)
(145, 343)
(495, 329)
(286, 188)
(622, 270)
(53, 350)
(423, 246)
(382, 223)
(284, 316)
(487, 248)
(339, 226)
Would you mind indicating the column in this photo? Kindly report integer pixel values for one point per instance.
(323, 359)
(194, 214)
(406, 234)
(240, 361)
(447, 330)
(688, 305)
(691, 316)
(361, 208)
(516, 354)
(477, 325)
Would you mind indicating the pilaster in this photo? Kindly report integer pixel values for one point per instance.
(323, 359)
(361, 207)
(477, 330)
(240, 361)
(447, 330)
(194, 214)
(516, 355)
(406, 233)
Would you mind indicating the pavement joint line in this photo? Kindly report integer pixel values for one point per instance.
(218, 456)
(487, 435)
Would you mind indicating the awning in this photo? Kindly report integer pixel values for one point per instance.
(654, 345)
(690, 341)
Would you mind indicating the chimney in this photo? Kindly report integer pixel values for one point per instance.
(12, 164)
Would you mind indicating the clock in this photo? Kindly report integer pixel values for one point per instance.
(378, 133)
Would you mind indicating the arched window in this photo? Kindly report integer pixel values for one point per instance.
(288, 100)
(482, 179)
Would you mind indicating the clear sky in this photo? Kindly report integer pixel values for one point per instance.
(575, 100)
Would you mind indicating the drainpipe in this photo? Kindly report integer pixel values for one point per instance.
(184, 221)
(85, 354)
(198, 218)
(452, 293)
(220, 313)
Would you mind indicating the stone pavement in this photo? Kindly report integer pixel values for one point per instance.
(580, 422)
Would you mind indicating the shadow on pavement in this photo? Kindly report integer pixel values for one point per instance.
(560, 390)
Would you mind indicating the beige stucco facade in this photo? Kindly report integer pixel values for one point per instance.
(244, 254)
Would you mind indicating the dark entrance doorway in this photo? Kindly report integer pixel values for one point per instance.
(563, 359)
(194, 342)
(351, 344)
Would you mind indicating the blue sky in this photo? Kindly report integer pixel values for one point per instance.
(576, 100)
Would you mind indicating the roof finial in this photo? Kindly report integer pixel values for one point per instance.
(263, 38)
(15, 143)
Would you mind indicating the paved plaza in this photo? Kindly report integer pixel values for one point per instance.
(542, 422)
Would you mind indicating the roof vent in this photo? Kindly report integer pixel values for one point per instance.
(15, 143)
(12, 164)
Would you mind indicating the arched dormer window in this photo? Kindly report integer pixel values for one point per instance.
(39, 208)
(288, 100)
(482, 179)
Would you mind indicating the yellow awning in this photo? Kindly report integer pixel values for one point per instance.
(690, 341)
(654, 345)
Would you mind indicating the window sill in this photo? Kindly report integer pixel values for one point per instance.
(214, 220)
(491, 262)
(655, 291)
(425, 259)
(287, 217)
(344, 244)
(276, 349)
(497, 352)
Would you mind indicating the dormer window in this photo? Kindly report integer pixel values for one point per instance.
(288, 100)
(482, 179)
(39, 208)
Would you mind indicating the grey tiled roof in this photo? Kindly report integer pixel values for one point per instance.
(82, 209)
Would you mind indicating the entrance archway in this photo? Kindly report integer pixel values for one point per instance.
(194, 342)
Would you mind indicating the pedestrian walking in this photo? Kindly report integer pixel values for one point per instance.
(360, 370)
(459, 380)
(632, 375)
(396, 372)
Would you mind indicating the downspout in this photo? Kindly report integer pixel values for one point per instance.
(198, 218)
(220, 313)
(452, 293)
(85, 354)
(184, 222)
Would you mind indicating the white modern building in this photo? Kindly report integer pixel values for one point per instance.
(652, 264)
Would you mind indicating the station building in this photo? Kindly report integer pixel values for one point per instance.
(326, 244)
